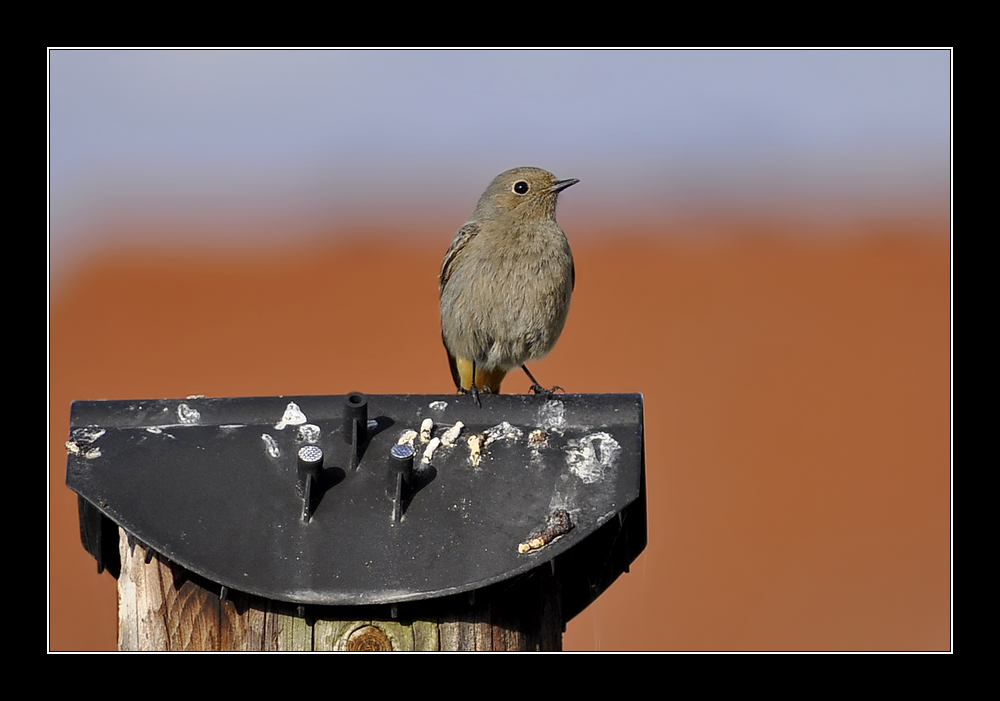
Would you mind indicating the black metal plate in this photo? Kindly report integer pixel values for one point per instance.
(194, 479)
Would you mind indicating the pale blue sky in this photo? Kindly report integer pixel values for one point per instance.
(324, 132)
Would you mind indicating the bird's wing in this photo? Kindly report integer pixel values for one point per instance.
(464, 235)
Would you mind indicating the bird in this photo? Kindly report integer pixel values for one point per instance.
(506, 282)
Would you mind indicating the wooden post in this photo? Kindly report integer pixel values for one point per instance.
(163, 607)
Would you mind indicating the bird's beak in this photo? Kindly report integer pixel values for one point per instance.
(560, 185)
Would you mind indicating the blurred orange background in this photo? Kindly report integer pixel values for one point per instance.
(763, 250)
(796, 391)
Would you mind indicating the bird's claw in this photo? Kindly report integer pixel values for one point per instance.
(538, 389)
(476, 392)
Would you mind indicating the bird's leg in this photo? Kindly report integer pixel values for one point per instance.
(475, 390)
(537, 388)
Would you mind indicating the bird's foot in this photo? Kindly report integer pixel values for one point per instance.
(476, 393)
(538, 389)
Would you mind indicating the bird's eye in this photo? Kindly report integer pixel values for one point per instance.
(520, 187)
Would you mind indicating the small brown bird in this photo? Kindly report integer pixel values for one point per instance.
(506, 281)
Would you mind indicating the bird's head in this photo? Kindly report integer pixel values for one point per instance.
(527, 191)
